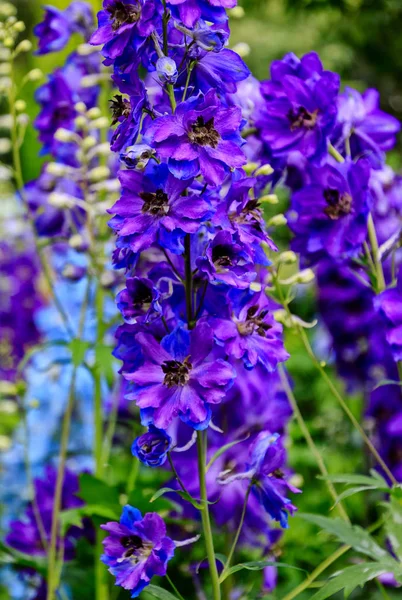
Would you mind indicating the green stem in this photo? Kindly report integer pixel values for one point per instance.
(238, 532)
(206, 522)
(335, 154)
(376, 254)
(170, 93)
(189, 71)
(343, 404)
(310, 442)
(174, 588)
(132, 478)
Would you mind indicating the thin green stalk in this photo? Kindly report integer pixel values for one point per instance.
(335, 154)
(206, 522)
(343, 404)
(381, 285)
(309, 439)
(174, 588)
(189, 71)
(175, 473)
(238, 532)
(132, 478)
(52, 581)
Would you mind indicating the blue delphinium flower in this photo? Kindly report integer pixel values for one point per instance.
(153, 206)
(139, 300)
(136, 549)
(151, 448)
(180, 377)
(300, 108)
(202, 136)
(127, 112)
(55, 30)
(329, 215)
(190, 11)
(370, 131)
(389, 305)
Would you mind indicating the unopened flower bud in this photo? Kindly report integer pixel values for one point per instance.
(59, 200)
(78, 243)
(242, 49)
(250, 167)
(269, 199)
(94, 113)
(5, 145)
(56, 169)
(287, 258)
(80, 122)
(8, 42)
(73, 272)
(24, 46)
(80, 107)
(87, 49)
(100, 123)
(305, 276)
(108, 279)
(65, 135)
(35, 75)
(98, 174)
(237, 12)
(19, 26)
(277, 220)
(264, 170)
(166, 69)
(20, 105)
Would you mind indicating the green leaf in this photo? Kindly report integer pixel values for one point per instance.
(352, 535)
(393, 526)
(181, 493)
(223, 449)
(73, 517)
(157, 592)
(92, 490)
(352, 577)
(104, 362)
(255, 565)
(376, 481)
(78, 350)
(352, 491)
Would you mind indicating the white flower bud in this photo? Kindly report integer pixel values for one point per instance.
(5, 145)
(94, 113)
(23, 120)
(264, 170)
(8, 42)
(65, 135)
(270, 199)
(56, 169)
(19, 26)
(7, 10)
(277, 220)
(89, 81)
(80, 122)
(242, 49)
(20, 105)
(100, 123)
(287, 258)
(87, 49)
(98, 174)
(89, 142)
(24, 46)
(305, 276)
(250, 167)
(237, 12)
(60, 200)
(35, 75)
(80, 107)
(5, 68)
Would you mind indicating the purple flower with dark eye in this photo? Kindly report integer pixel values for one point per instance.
(329, 215)
(180, 377)
(58, 25)
(221, 71)
(300, 109)
(127, 112)
(152, 208)
(190, 11)
(202, 136)
(136, 549)
(389, 305)
(227, 261)
(370, 131)
(139, 300)
(269, 485)
(124, 23)
(251, 334)
(152, 447)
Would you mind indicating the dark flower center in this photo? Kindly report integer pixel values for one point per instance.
(149, 445)
(124, 14)
(339, 205)
(121, 107)
(222, 256)
(204, 134)
(133, 544)
(302, 118)
(156, 204)
(176, 372)
(254, 323)
(251, 215)
(62, 112)
(143, 298)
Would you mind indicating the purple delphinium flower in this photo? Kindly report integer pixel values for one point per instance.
(267, 457)
(370, 131)
(251, 334)
(180, 377)
(139, 300)
(151, 448)
(190, 11)
(19, 300)
(152, 207)
(136, 549)
(127, 112)
(227, 261)
(202, 136)
(55, 30)
(124, 23)
(389, 305)
(26, 535)
(329, 215)
(300, 109)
